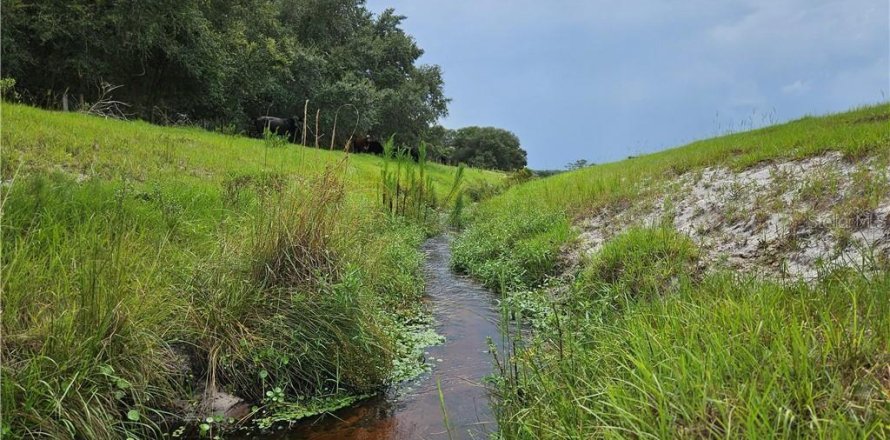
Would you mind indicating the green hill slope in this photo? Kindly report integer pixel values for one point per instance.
(143, 265)
(652, 321)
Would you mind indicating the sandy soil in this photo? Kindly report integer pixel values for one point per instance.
(790, 219)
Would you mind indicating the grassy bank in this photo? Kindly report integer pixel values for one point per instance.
(142, 264)
(648, 338)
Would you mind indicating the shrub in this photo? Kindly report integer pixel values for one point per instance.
(481, 190)
(7, 89)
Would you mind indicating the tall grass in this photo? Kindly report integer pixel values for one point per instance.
(305, 316)
(84, 335)
(143, 265)
(728, 357)
(292, 244)
(102, 331)
(406, 187)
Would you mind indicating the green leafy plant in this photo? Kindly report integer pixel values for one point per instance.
(274, 396)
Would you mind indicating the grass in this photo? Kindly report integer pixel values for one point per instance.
(141, 152)
(641, 340)
(642, 263)
(724, 357)
(516, 252)
(142, 264)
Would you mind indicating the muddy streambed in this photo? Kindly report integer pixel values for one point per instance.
(467, 316)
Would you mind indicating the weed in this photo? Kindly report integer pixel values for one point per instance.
(455, 218)
(442, 406)
(862, 197)
(820, 190)
(406, 189)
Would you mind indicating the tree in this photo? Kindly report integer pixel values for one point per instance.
(578, 164)
(228, 62)
(438, 144)
(487, 147)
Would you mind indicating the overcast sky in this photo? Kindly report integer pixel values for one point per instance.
(601, 80)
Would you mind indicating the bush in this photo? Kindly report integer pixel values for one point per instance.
(481, 190)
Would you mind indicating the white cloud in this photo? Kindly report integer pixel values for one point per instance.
(796, 88)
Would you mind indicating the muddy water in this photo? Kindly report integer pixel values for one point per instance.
(466, 316)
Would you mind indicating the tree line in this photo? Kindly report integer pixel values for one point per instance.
(480, 147)
(219, 64)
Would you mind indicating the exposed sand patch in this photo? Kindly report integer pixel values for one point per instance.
(784, 219)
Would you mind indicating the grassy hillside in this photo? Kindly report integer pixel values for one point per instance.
(648, 337)
(142, 264)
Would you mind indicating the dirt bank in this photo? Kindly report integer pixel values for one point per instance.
(791, 219)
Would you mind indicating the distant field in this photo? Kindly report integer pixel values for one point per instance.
(141, 262)
(647, 337)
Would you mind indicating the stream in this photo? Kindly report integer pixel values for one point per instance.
(466, 315)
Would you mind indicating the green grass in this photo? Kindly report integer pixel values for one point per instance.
(35, 139)
(563, 198)
(726, 357)
(140, 262)
(641, 263)
(640, 341)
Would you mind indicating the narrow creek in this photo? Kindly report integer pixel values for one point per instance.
(467, 316)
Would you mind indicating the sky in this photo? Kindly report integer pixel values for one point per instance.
(602, 80)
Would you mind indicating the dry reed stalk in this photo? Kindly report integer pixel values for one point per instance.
(298, 243)
(305, 119)
(317, 115)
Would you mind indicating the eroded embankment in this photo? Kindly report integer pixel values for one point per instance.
(784, 219)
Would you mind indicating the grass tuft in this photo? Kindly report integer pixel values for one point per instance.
(643, 263)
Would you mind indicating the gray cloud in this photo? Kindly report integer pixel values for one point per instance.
(603, 79)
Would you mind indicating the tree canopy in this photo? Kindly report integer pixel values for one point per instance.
(486, 147)
(221, 62)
